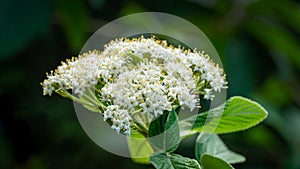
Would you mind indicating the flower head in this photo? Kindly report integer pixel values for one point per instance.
(137, 76)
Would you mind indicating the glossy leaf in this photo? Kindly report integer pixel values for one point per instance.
(173, 161)
(211, 162)
(164, 132)
(213, 145)
(239, 114)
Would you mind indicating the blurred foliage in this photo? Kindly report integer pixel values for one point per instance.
(257, 40)
(21, 22)
(74, 21)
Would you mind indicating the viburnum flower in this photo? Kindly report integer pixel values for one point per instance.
(134, 80)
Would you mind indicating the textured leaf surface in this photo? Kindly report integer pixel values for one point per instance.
(164, 132)
(211, 162)
(239, 114)
(213, 145)
(173, 161)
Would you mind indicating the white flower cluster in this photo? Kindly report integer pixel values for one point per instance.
(120, 119)
(146, 86)
(141, 75)
(210, 73)
(81, 73)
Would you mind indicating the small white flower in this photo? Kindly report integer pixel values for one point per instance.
(117, 125)
(208, 94)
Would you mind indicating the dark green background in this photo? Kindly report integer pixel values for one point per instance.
(257, 40)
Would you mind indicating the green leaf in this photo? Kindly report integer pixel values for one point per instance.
(164, 132)
(195, 123)
(239, 114)
(185, 129)
(211, 162)
(192, 124)
(139, 147)
(173, 161)
(213, 145)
